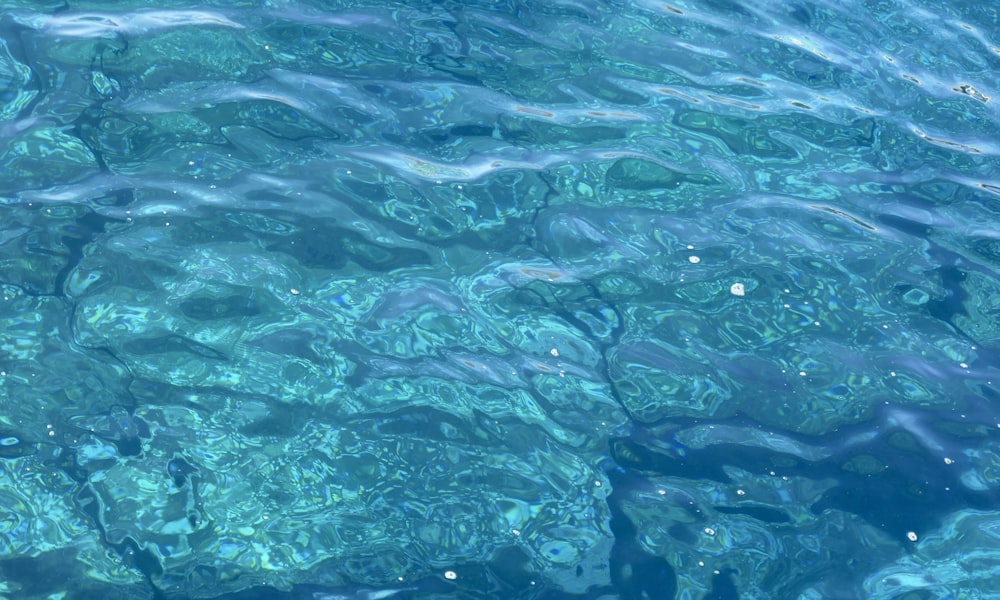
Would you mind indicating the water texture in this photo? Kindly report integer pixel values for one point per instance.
(549, 299)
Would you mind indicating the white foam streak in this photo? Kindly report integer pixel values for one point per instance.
(95, 25)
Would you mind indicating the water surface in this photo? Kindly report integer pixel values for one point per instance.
(516, 300)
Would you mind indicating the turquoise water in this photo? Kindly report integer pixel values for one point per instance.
(324, 300)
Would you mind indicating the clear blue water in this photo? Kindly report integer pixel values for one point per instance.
(322, 300)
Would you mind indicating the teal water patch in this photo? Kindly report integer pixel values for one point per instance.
(528, 300)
